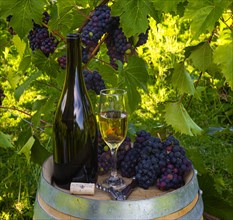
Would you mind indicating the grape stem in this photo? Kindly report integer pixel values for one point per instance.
(96, 48)
(55, 32)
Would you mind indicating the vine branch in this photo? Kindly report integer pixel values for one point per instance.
(22, 111)
(222, 19)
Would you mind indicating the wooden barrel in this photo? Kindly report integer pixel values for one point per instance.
(54, 203)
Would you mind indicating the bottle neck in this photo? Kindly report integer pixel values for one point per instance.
(74, 60)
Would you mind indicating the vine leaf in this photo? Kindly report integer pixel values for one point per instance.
(26, 149)
(181, 79)
(20, 45)
(166, 5)
(46, 64)
(20, 90)
(133, 14)
(202, 57)
(108, 73)
(223, 56)
(5, 140)
(177, 116)
(67, 17)
(23, 11)
(134, 76)
(38, 152)
(204, 14)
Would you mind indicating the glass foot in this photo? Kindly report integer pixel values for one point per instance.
(115, 182)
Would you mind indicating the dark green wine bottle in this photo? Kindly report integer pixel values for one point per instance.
(75, 128)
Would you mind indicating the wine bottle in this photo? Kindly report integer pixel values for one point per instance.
(75, 127)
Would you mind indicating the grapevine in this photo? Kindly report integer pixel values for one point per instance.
(40, 38)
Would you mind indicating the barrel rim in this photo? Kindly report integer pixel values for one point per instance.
(154, 207)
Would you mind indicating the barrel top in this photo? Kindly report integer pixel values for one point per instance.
(137, 194)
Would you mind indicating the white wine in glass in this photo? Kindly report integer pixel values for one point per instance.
(113, 124)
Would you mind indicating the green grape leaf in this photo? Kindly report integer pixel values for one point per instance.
(67, 18)
(38, 152)
(177, 116)
(46, 64)
(202, 57)
(107, 72)
(223, 56)
(181, 79)
(13, 79)
(194, 155)
(204, 14)
(24, 86)
(5, 141)
(134, 76)
(23, 11)
(37, 106)
(26, 149)
(166, 5)
(188, 50)
(133, 16)
(20, 44)
(25, 63)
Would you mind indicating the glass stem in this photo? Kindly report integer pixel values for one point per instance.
(114, 164)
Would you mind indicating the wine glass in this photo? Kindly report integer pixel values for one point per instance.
(113, 124)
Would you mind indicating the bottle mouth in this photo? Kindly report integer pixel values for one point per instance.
(73, 36)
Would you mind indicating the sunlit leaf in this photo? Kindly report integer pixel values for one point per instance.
(134, 76)
(5, 141)
(26, 149)
(181, 79)
(177, 116)
(20, 45)
(204, 14)
(223, 56)
(201, 57)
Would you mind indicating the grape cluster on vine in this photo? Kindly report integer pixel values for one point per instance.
(93, 81)
(40, 37)
(100, 20)
(101, 23)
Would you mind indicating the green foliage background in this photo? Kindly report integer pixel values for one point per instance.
(179, 82)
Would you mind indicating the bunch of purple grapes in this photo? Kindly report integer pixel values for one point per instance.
(40, 38)
(100, 23)
(118, 45)
(142, 38)
(100, 20)
(152, 161)
(93, 81)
